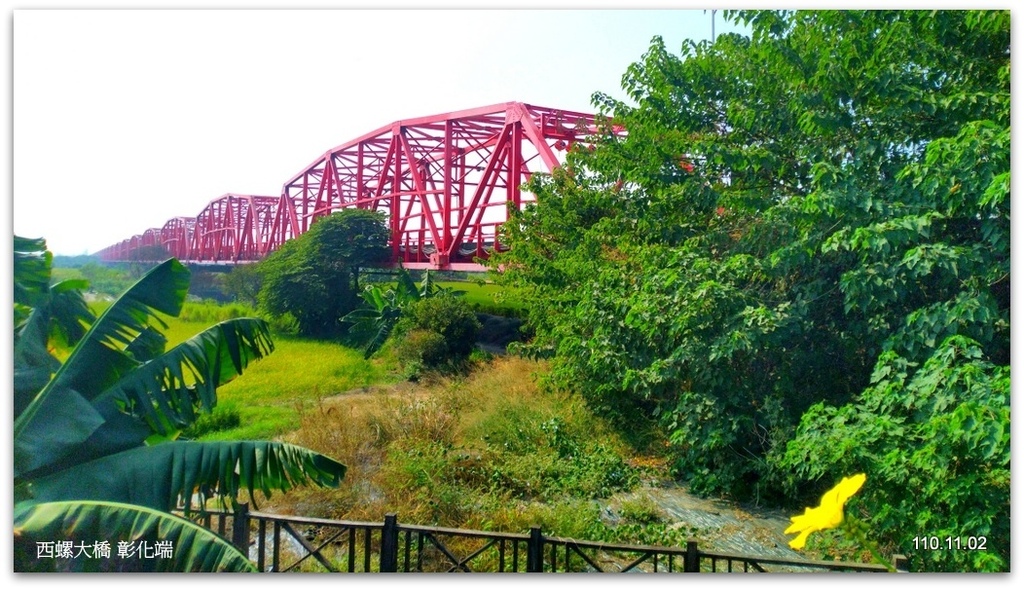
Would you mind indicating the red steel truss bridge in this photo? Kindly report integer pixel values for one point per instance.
(445, 182)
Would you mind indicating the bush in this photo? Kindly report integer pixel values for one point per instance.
(640, 510)
(422, 346)
(934, 442)
(437, 333)
(450, 317)
(221, 418)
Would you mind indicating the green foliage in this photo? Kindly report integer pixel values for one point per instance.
(451, 318)
(544, 454)
(383, 307)
(421, 349)
(641, 510)
(372, 323)
(244, 283)
(83, 523)
(106, 279)
(786, 211)
(315, 277)
(101, 425)
(221, 418)
(935, 440)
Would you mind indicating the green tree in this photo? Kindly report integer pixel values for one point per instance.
(315, 277)
(788, 213)
(94, 450)
(243, 283)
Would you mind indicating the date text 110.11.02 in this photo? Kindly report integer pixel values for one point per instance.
(935, 543)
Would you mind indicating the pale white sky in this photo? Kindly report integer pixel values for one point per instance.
(125, 119)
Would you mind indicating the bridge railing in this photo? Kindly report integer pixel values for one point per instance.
(280, 543)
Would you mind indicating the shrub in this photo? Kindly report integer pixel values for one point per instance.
(640, 510)
(221, 418)
(422, 347)
(450, 317)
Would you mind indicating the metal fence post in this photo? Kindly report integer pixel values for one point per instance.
(389, 544)
(691, 563)
(535, 551)
(240, 528)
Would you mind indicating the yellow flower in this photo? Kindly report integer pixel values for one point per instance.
(828, 514)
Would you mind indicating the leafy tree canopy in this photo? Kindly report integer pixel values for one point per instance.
(315, 277)
(795, 222)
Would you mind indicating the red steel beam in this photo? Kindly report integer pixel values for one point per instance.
(233, 228)
(444, 181)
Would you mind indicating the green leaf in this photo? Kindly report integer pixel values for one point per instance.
(31, 270)
(98, 360)
(70, 421)
(83, 524)
(166, 390)
(161, 476)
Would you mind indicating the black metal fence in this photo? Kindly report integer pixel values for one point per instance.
(278, 543)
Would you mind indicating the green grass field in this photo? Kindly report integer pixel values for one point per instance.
(487, 298)
(272, 393)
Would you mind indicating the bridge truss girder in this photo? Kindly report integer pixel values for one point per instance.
(443, 181)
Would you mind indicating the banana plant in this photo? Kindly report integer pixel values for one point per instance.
(95, 435)
(383, 307)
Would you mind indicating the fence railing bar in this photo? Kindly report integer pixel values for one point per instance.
(407, 550)
(577, 550)
(389, 544)
(419, 551)
(261, 545)
(317, 551)
(460, 532)
(456, 563)
(490, 543)
(366, 550)
(310, 520)
(312, 551)
(591, 552)
(830, 565)
(351, 549)
(637, 562)
(277, 546)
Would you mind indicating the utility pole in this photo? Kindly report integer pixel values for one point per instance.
(713, 27)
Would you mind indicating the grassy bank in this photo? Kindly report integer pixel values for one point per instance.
(272, 395)
(491, 450)
(487, 297)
